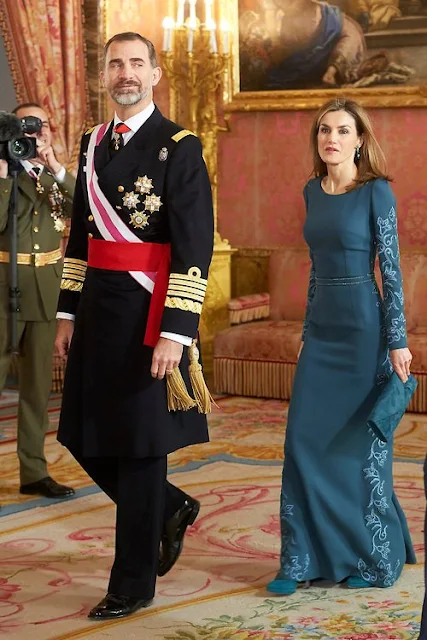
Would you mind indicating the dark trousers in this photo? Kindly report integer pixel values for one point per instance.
(145, 500)
(423, 630)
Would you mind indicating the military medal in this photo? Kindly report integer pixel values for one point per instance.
(59, 225)
(57, 202)
(163, 154)
(139, 220)
(131, 200)
(39, 187)
(152, 203)
(116, 138)
(143, 185)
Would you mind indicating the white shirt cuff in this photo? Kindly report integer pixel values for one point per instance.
(60, 176)
(176, 337)
(65, 316)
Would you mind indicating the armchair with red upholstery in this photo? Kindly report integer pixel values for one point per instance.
(257, 355)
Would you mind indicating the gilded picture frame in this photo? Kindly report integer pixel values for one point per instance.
(404, 46)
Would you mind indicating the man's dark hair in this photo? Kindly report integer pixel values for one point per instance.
(25, 105)
(128, 36)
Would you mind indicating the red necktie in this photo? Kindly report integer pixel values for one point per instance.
(121, 127)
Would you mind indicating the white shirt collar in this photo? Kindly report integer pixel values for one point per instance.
(28, 166)
(136, 121)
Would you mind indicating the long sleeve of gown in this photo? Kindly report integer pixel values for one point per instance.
(311, 281)
(387, 243)
(310, 296)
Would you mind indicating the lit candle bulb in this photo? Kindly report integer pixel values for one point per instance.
(192, 4)
(225, 30)
(208, 11)
(211, 26)
(190, 40)
(167, 24)
(191, 25)
(180, 14)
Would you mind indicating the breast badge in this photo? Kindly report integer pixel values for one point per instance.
(139, 220)
(163, 154)
(57, 203)
(131, 200)
(152, 203)
(143, 185)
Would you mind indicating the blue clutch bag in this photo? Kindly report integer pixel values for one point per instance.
(391, 405)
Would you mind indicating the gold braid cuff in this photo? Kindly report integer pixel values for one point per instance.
(183, 305)
(73, 274)
(71, 285)
(186, 291)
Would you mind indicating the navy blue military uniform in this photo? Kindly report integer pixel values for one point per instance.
(114, 417)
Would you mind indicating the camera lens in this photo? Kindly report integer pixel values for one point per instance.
(22, 148)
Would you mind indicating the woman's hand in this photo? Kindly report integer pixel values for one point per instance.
(401, 361)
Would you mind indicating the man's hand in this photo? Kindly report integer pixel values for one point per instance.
(46, 156)
(64, 333)
(4, 169)
(167, 355)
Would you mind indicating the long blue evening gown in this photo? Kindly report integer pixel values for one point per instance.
(339, 514)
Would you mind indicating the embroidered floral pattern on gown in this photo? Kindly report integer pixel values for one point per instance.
(339, 514)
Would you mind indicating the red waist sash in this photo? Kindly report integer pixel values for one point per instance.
(137, 256)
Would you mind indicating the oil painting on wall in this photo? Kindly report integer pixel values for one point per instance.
(313, 45)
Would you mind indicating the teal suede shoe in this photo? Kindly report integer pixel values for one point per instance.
(354, 582)
(282, 587)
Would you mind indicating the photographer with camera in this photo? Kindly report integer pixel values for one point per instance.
(30, 237)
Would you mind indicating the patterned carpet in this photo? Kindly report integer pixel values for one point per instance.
(55, 558)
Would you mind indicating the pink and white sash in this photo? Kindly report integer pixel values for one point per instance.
(108, 222)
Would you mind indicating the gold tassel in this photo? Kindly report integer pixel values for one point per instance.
(178, 397)
(201, 392)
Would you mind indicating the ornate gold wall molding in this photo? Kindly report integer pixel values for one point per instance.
(380, 97)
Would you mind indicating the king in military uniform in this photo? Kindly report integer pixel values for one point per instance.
(45, 192)
(133, 285)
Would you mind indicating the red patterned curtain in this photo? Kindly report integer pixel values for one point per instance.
(46, 50)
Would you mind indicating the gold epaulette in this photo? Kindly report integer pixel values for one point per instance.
(89, 131)
(182, 134)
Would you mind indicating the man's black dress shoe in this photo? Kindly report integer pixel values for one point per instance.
(115, 606)
(174, 532)
(48, 488)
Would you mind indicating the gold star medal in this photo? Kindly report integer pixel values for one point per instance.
(59, 225)
(131, 200)
(143, 185)
(152, 203)
(138, 220)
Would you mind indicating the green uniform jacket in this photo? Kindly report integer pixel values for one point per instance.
(39, 286)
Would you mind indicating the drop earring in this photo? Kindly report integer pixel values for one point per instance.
(357, 153)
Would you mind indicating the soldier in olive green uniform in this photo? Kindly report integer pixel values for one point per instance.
(45, 192)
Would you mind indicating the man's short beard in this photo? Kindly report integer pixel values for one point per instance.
(127, 99)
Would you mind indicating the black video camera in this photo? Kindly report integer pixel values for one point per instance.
(14, 146)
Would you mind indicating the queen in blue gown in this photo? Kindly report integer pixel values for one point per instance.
(340, 518)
